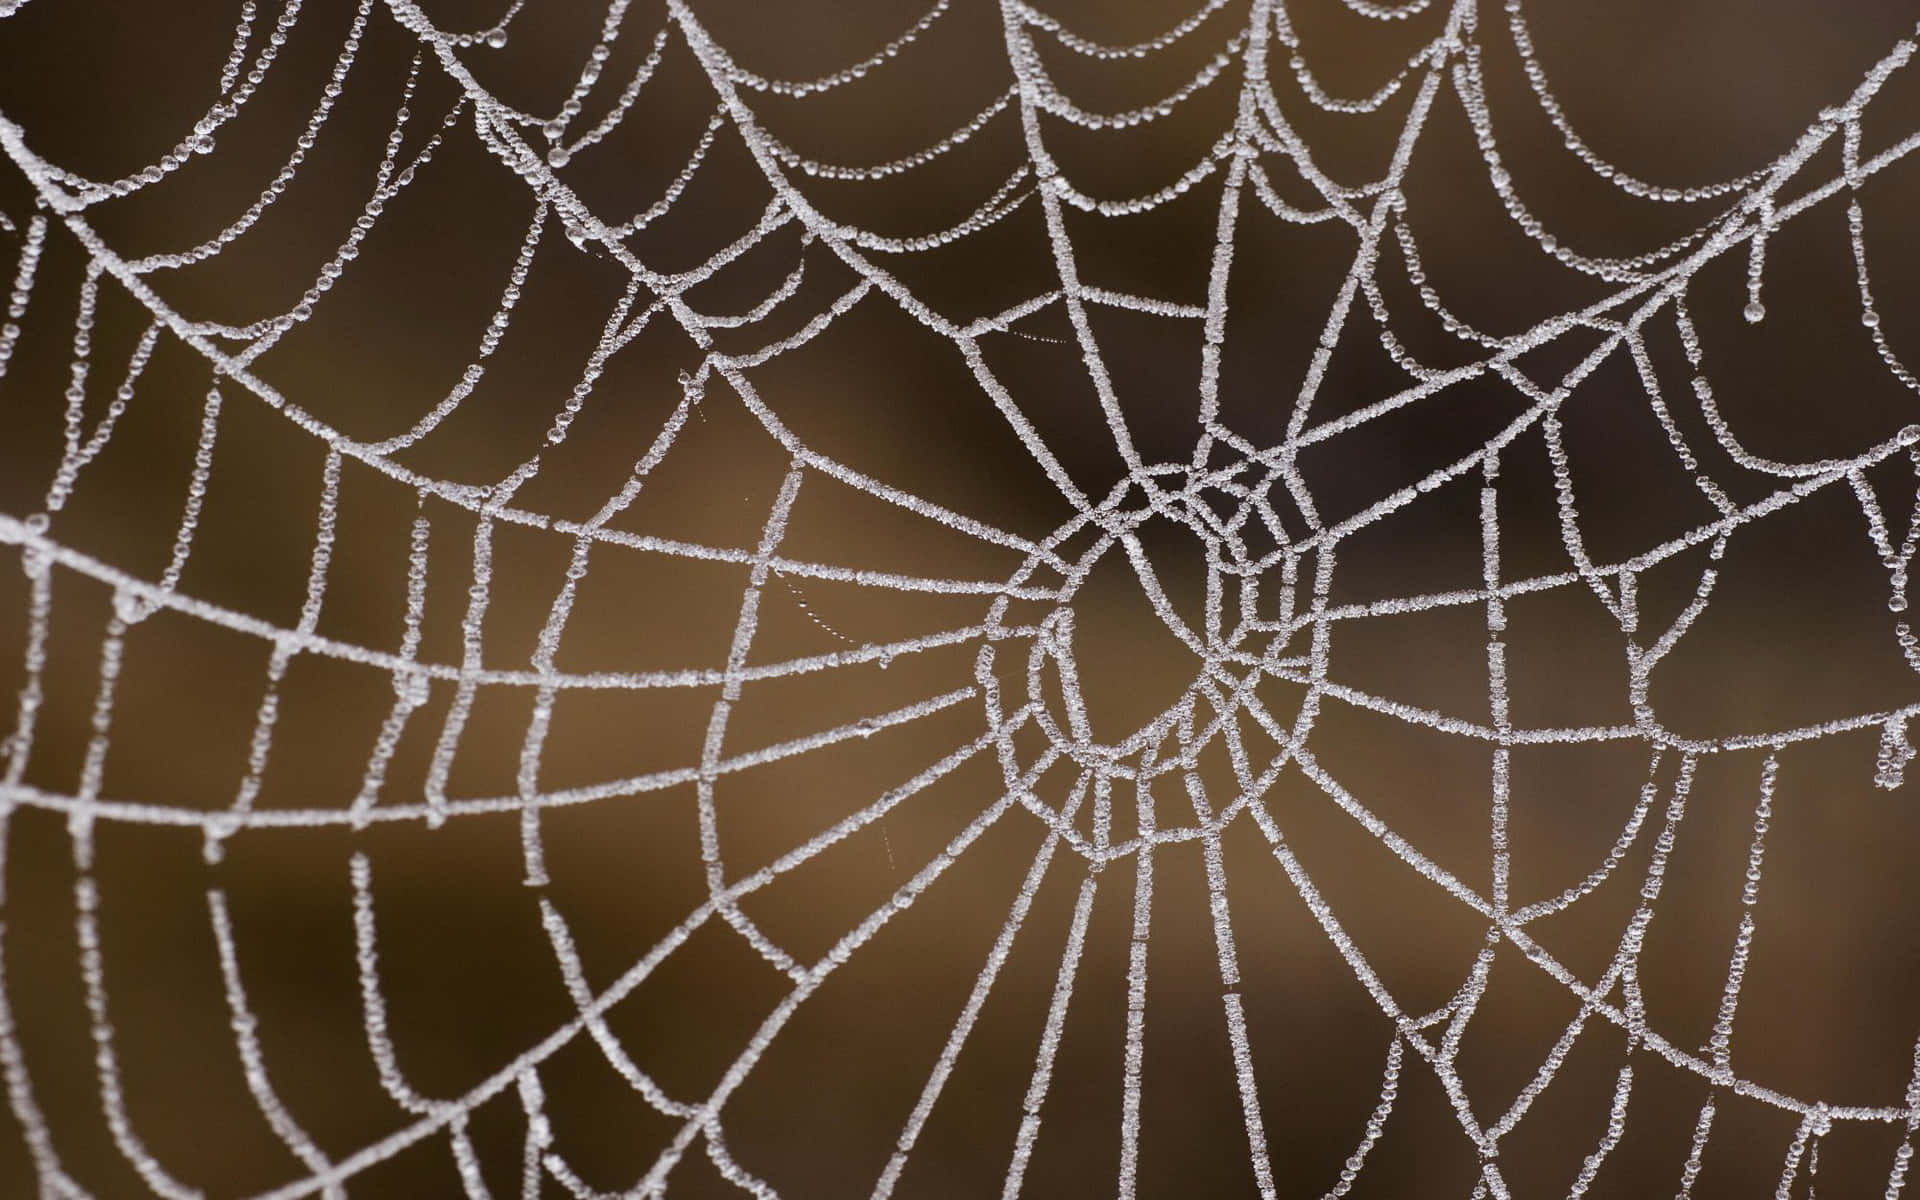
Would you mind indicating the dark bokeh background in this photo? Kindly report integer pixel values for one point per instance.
(1799, 631)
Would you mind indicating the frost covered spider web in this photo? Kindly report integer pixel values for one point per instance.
(1108, 785)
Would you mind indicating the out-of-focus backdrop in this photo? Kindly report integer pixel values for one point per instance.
(112, 903)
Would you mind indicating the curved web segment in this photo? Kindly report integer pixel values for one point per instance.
(1101, 797)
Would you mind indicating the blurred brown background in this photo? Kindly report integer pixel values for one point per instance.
(1799, 632)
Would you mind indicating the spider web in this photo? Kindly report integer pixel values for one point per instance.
(1112, 784)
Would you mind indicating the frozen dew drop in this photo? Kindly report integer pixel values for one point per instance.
(559, 156)
(1755, 312)
(497, 39)
(128, 607)
(412, 690)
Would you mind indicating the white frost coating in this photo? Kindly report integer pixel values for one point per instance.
(245, 1030)
(1268, 613)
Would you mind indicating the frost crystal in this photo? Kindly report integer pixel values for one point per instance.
(1111, 788)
